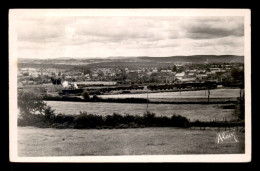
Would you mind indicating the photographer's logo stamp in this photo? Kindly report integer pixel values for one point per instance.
(226, 137)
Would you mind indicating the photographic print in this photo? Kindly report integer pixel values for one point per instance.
(130, 85)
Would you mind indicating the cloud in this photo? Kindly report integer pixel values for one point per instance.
(117, 28)
(225, 41)
(38, 31)
(130, 36)
(216, 28)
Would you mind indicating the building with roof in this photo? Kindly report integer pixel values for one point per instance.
(191, 75)
(180, 75)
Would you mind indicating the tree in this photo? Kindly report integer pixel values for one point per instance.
(29, 104)
(239, 111)
(208, 94)
(237, 75)
(86, 96)
(26, 74)
(174, 69)
(33, 110)
(95, 97)
(208, 85)
(154, 75)
(55, 81)
(86, 71)
(48, 114)
(180, 69)
(100, 74)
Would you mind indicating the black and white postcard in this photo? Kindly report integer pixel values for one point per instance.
(130, 85)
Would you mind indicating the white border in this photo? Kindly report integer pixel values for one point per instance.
(15, 14)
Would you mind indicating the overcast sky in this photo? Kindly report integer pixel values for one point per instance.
(129, 36)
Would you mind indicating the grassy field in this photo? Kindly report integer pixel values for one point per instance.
(216, 93)
(203, 112)
(139, 141)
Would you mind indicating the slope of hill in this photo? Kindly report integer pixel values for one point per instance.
(196, 58)
(133, 62)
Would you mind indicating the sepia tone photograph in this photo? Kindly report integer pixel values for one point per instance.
(130, 85)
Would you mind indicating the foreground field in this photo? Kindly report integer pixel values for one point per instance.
(141, 141)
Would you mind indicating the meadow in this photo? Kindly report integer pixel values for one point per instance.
(38, 142)
(215, 93)
(202, 112)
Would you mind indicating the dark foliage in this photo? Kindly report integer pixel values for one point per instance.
(56, 81)
(86, 96)
(84, 120)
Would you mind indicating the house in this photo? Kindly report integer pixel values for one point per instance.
(180, 76)
(149, 73)
(87, 76)
(214, 70)
(209, 73)
(166, 71)
(188, 79)
(191, 75)
(68, 77)
(111, 74)
(201, 71)
(154, 71)
(220, 71)
(192, 71)
(202, 76)
(139, 71)
(94, 75)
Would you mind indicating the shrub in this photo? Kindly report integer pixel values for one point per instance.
(86, 96)
(133, 125)
(113, 120)
(28, 120)
(84, 120)
(240, 109)
(60, 118)
(149, 118)
(162, 121)
(122, 126)
(179, 121)
(95, 98)
(49, 114)
(128, 119)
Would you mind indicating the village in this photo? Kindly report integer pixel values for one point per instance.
(127, 80)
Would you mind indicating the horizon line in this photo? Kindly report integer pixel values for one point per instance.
(120, 56)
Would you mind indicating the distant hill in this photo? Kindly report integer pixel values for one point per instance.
(131, 62)
(196, 59)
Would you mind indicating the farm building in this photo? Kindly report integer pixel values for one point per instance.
(180, 75)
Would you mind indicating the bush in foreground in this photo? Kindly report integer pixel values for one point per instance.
(90, 121)
(85, 120)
